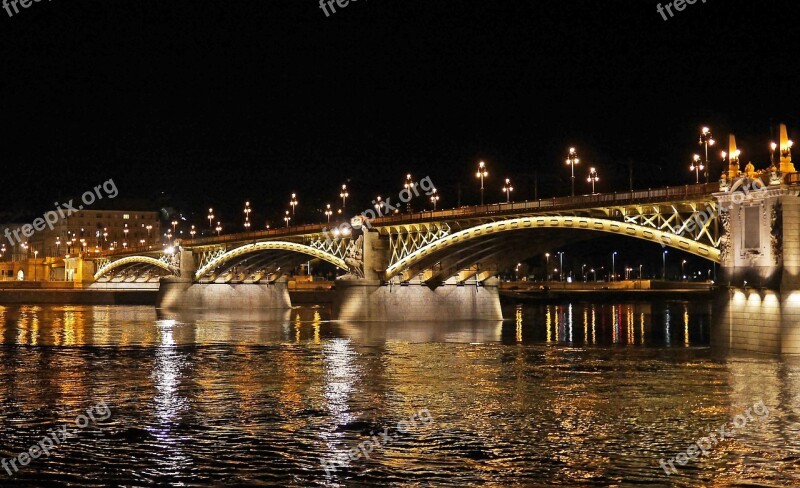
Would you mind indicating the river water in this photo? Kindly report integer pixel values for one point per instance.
(580, 394)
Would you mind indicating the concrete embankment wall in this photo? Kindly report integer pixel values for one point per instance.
(367, 300)
(182, 295)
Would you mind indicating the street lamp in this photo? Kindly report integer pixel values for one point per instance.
(287, 218)
(683, 269)
(547, 257)
(507, 189)
(593, 178)
(219, 228)
(697, 166)
(328, 212)
(247, 211)
(434, 198)
(583, 272)
(482, 173)
(572, 160)
(613, 266)
(664, 259)
(293, 202)
(210, 217)
(35, 255)
(561, 265)
(192, 232)
(735, 158)
(174, 224)
(409, 185)
(787, 151)
(772, 147)
(343, 195)
(706, 139)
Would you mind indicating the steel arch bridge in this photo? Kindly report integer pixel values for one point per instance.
(464, 243)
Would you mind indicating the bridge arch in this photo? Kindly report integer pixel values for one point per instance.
(132, 260)
(554, 222)
(247, 249)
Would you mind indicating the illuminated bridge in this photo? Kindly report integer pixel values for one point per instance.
(458, 245)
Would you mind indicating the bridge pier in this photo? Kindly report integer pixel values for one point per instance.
(758, 307)
(183, 293)
(362, 300)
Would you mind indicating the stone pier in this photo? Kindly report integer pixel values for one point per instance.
(363, 300)
(757, 308)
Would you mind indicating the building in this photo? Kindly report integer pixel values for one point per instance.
(97, 230)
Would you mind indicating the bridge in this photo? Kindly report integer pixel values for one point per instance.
(458, 245)
(441, 264)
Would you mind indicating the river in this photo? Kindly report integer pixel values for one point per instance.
(575, 394)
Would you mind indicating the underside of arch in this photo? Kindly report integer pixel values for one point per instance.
(135, 264)
(496, 241)
(264, 258)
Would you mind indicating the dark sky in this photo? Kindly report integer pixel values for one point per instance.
(213, 103)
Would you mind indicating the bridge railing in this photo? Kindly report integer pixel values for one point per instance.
(587, 201)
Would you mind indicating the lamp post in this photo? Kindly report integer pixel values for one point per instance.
(210, 218)
(706, 139)
(247, 211)
(613, 266)
(547, 265)
(343, 195)
(174, 225)
(561, 265)
(293, 202)
(664, 264)
(507, 189)
(572, 160)
(683, 269)
(593, 178)
(35, 255)
(328, 212)
(287, 218)
(192, 232)
(786, 152)
(583, 272)
(219, 228)
(481, 174)
(434, 198)
(772, 147)
(697, 166)
(409, 185)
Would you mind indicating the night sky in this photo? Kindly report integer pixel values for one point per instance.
(198, 104)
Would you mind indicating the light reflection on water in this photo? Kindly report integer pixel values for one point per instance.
(642, 323)
(566, 394)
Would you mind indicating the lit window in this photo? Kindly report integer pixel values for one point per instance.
(126, 216)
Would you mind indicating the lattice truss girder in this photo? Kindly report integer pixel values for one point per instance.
(206, 255)
(405, 239)
(697, 220)
(335, 246)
